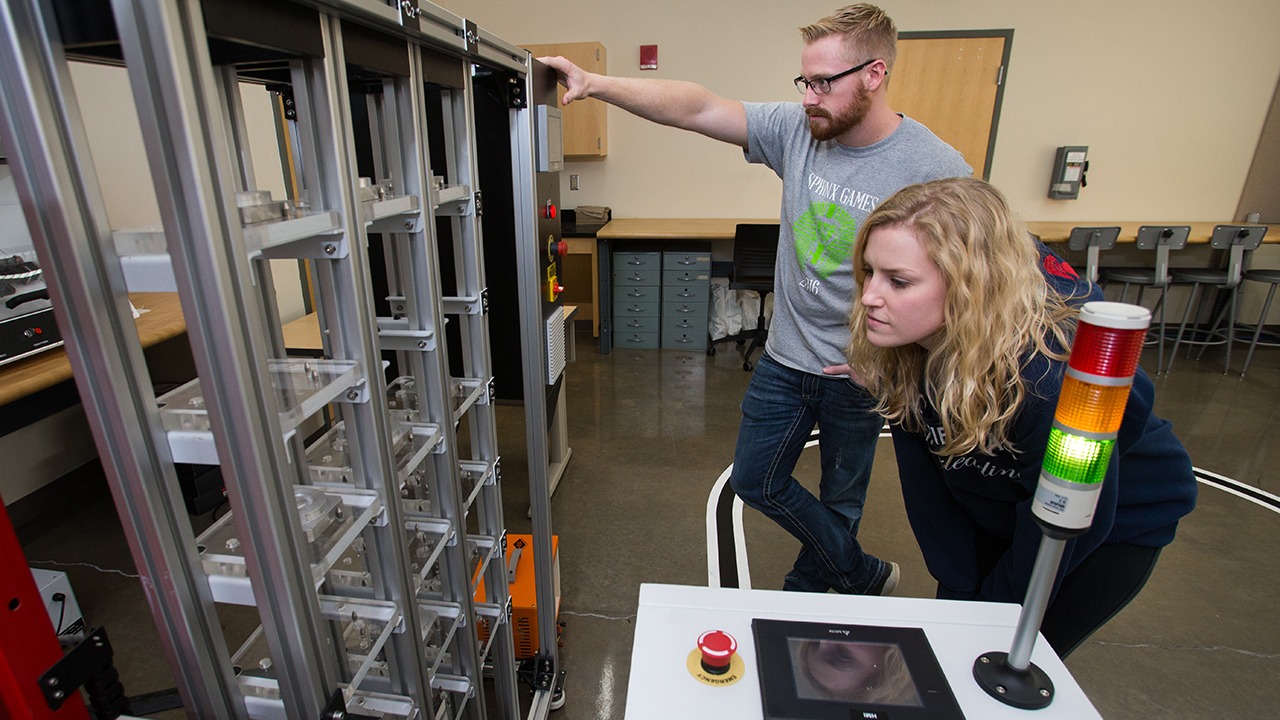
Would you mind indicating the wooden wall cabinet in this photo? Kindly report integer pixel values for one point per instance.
(585, 121)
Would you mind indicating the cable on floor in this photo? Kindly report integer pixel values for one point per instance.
(89, 565)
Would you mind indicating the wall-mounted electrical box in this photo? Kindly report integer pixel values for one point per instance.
(1069, 167)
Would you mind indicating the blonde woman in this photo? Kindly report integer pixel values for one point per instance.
(961, 334)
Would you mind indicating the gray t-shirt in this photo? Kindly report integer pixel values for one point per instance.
(828, 189)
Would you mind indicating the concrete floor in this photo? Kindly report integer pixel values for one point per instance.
(652, 430)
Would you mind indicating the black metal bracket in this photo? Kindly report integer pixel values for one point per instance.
(336, 709)
(89, 665)
(516, 99)
(537, 672)
(286, 99)
(471, 34)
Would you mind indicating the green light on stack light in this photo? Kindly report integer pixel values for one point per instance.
(1076, 459)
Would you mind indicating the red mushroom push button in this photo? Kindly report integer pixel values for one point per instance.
(715, 661)
(553, 286)
(717, 649)
(549, 211)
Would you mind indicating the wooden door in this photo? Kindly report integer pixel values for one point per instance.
(953, 83)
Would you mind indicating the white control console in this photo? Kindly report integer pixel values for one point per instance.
(672, 619)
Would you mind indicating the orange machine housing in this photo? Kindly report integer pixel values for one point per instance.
(524, 597)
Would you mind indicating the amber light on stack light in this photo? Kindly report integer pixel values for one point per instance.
(1104, 359)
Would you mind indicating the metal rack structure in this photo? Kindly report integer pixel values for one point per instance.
(361, 547)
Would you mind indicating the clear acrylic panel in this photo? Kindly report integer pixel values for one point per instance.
(328, 460)
(140, 240)
(302, 387)
(331, 522)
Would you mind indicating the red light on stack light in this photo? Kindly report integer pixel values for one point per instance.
(1109, 346)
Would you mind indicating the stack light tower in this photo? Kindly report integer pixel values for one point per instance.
(1091, 404)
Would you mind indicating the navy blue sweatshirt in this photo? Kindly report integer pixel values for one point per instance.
(972, 514)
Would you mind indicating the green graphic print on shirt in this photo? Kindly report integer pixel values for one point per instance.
(824, 237)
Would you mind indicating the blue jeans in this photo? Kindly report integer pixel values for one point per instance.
(778, 413)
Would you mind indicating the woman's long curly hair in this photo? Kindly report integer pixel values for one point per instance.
(998, 309)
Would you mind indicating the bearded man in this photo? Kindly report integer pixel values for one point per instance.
(839, 153)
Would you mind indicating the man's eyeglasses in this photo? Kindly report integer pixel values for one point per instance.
(822, 86)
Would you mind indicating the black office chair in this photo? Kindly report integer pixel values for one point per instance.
(755, 251)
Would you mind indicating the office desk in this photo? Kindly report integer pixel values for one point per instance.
(673, 228)
(30, 375)
(671, 617)
(656, 231)
(43, 431)
(302, 336)
(724, 228)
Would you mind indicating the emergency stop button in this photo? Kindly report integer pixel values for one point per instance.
(715, 661)
(717, 649)
(549, 211)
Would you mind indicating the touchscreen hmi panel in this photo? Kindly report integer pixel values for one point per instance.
(850, 671)
(829, 671)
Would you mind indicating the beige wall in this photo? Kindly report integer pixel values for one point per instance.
(1170, 97)
(1261, 193)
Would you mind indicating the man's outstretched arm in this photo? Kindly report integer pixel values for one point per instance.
(676, 103)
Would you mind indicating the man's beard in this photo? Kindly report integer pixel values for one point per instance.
(847, 119)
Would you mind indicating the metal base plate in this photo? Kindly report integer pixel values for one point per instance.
(1029, 689)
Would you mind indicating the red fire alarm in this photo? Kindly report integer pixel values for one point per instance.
(648, 57)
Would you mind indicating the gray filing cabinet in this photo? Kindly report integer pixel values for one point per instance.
(686, 297)
(637, 299)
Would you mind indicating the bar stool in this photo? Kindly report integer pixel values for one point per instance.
(1237, 239)
(1271, 277)
(1092, 240)
(1162, 239)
